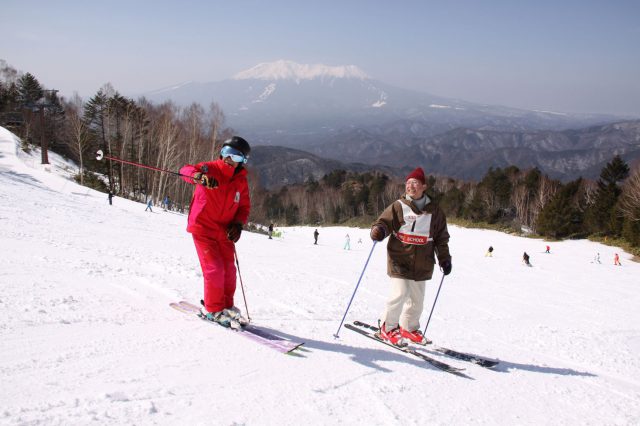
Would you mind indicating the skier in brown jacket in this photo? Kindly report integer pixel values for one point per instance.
(417, 231)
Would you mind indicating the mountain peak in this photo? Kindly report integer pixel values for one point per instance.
(289, 70)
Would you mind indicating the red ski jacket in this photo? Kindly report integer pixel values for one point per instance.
(212, 210)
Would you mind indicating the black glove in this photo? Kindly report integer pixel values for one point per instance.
(204, 180)
(378, 233)
(233, 232)
(446, 266)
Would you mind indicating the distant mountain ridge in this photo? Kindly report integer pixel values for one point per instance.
(278, 166)
(460, 153)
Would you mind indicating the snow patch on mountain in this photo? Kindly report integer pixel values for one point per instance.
(380, 102)
(268, 91)
(289, 70)
(170, 88)
(551, 112)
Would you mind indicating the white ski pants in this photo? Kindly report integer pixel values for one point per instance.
(405, 305)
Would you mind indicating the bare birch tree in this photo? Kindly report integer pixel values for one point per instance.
(216, 123)
(521, 200)
(77, 131)
(166, 142)
(630, 198)
(546, 190)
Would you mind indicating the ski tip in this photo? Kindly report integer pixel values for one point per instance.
(487, 364)
(295, 351)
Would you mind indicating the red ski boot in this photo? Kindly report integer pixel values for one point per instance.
(392, 336)
(415, 336)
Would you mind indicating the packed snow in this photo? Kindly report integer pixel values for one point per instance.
(88, 335)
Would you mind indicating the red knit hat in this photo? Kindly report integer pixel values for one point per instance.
(418, 173)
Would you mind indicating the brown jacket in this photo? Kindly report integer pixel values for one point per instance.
(410, 261)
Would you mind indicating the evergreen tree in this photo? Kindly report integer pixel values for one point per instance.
(292, 215)
(452, 202)
(273, 206)
(95, 114)
(629, 207)
(29, 90)
(10, 114)
(375, 203)
(532, 180)
(349, 199)
(563, 216)
(362, 198)
(602, 217)
(335, 179)
(311, 185)
(631, 231)
(495, 190)
(474, 209)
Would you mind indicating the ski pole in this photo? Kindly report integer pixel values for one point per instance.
(246, 308)
(100, 155)
(433, 307)
(354, 291)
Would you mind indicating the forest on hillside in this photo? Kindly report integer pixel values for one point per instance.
(166, 136)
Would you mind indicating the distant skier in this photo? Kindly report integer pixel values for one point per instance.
(149, 205)
(347, 242)
(215, 230)
(110, 198)
(525, 259)
(315, 236)
(616, 260)
(165, 203)
(489, 252)
(417, 231)
(270, 231)
(548, 250)
(597, 258)
(359, 240)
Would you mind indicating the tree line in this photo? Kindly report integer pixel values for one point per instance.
(507, 198)
(164, 136)
(167, 136)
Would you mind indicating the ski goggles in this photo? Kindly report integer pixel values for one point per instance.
(235, 155)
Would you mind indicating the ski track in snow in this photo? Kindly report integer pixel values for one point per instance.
(88, 336)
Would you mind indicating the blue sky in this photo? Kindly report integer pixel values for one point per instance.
(573, 56)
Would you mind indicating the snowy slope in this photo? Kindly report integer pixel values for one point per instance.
(87, 334)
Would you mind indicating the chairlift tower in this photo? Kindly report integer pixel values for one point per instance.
(39, 106)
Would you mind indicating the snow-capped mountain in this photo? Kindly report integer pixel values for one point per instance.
(287, 103)
(289, 70)
(285, 96)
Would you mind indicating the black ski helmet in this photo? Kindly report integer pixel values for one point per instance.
(238, 143)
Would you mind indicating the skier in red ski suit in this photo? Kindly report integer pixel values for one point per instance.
(219, 209)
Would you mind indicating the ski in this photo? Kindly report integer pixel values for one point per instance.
(434, 362)
(251, 332)
(462, 356)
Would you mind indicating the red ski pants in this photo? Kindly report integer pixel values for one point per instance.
(219, 272)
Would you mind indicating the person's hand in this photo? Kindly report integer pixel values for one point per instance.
(204, 180)
(233, 232)
(378, 233)
(446, 267)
